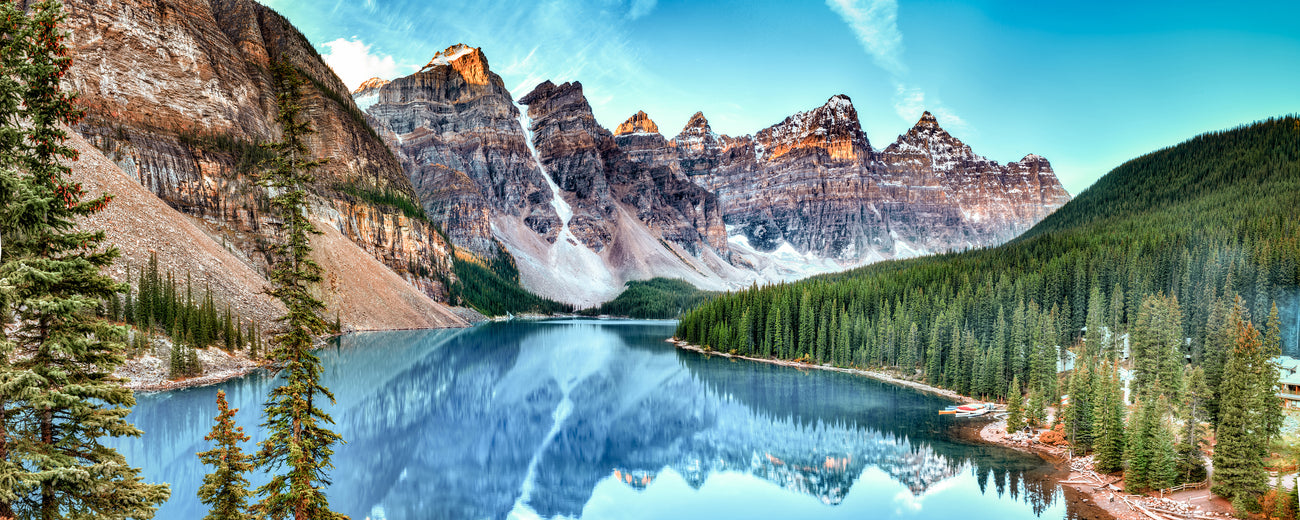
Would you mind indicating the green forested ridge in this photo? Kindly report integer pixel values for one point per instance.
(492, 288)
(653, 299)
(1189, 242)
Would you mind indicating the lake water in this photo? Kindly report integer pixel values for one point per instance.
(603, 419)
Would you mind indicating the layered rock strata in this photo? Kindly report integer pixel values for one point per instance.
(178, 93)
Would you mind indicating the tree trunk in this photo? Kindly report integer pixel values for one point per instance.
(49, 507)
(6, 511)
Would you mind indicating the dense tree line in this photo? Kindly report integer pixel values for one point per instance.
(657, 298)
(1163, 258)
(492, 287)
(161, 304)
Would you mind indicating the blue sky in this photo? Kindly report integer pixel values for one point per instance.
(1086, 84)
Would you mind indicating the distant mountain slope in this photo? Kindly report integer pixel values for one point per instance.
(357, 288)
(1206, 221)
(1244, 167)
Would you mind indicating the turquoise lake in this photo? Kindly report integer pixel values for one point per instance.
(604, 420)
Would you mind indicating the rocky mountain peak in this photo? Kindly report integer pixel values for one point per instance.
(369, 85)
(928, 126)
(639, 123)
(931, 144)
(697, 121)
(468, 61)
(697, 128)
(832, 127)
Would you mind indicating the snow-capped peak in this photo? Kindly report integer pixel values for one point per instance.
(370, 84)
(445, 57)
(840, 101)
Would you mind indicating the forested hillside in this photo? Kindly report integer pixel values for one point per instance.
(1204, 221)
(1174, 266)
(656, 298)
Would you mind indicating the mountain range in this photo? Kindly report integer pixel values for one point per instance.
(444, 168)
(582, 210)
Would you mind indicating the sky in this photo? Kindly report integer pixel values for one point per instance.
(1088, 85)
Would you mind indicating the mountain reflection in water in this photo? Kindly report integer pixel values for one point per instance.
(602, 419)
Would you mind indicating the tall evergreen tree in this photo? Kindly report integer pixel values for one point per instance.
(1157, 336)
(1079, 420)
(225, 490)
(1036, 410)
(1269, 386)
(1015, 406)
(1239, 454)
(1152, 458)
(1217, 343)
(14, 32)
(1095, 337)
(300, 442)
(63, 355)
(1191, 464)
(1108, 430)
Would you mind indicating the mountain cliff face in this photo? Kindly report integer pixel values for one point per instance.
(810, 194)
(634, 168)
(579, 215)
(457, 131)
(178, 93)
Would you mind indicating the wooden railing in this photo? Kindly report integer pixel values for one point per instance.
(1184, 487)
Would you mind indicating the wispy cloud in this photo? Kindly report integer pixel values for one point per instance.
(354, 62)
(641, 8)
(875, 24)
(910, 102)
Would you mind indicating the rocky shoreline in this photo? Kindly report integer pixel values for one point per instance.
(1092, 495)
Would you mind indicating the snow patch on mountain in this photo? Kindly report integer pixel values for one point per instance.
(367, 100)
(444, 58)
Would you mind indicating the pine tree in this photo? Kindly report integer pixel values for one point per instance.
(13, 191)
(225, 490)
(1191, 465)
(1157, 335)
(1269, 387)
(299, 442)
(1152, 458)
(1015, 406)
(1239, 454)
(70, 402)
(1164, 453)
(1217, 343)
(176, 361)
(1137, 451)
(1079, 420)
(1095, 337)
(1108, 430)
(1036, 411)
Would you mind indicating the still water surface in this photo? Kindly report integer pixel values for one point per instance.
(603, 419)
